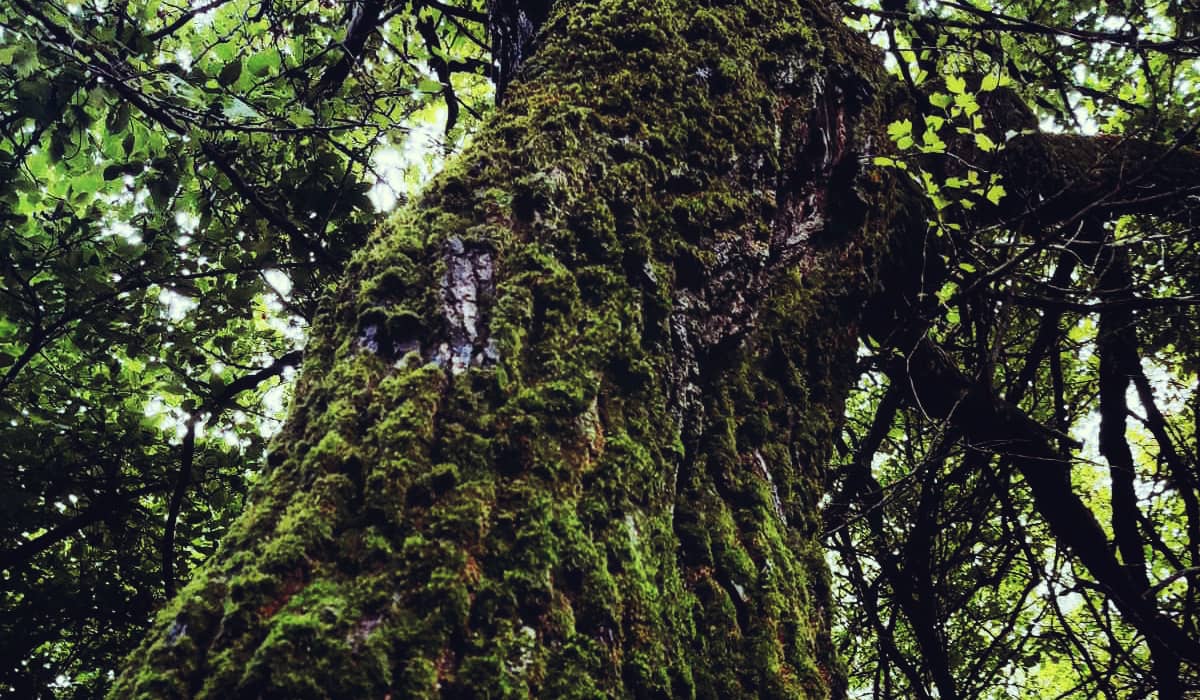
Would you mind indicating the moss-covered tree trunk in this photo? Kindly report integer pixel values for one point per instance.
(561, 431)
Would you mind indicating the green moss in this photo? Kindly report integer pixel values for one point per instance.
(589, 505)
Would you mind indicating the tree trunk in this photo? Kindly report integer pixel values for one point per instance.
(561, 431)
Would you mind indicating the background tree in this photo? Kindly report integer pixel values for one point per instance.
(963, 588)
(663, 277)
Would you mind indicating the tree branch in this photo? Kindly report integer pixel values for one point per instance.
(187, 457)
(184, 19)
(96, 511)
(944, 393)
(1055, 180)
(364, 18)
(215, 404)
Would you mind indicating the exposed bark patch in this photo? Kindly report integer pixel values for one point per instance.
(362, 630)
(176, 632)
(683, 373)
(291, 586)
(760, 464)
(466, 287)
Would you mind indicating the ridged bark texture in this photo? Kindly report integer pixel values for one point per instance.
(561, 431)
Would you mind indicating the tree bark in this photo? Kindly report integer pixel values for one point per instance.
(561, 431)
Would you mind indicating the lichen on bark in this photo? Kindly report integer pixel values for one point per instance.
(560, 432)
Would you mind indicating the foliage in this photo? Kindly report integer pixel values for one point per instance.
(178, 184)
(950, 581)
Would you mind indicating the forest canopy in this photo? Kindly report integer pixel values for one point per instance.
(182, 185)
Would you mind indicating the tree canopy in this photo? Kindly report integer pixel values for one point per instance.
(182, 185)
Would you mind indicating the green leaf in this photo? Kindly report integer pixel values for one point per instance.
(302, 116)
(262, 63)
(236, 109)
(230, 73)
(932, 143)
(990, 82)
(995, 193)
(966, 102)
(956, 84)
(118, 119)
(940, 99)
(984, 142)
(431, 86)
(931, 185)
(946, 292)
(900, 128)
(161, 191)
